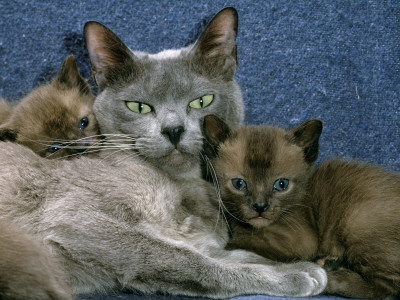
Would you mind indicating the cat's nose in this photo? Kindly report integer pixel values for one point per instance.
(173, 133)
(260, 207)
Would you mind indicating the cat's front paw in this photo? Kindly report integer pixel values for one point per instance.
(308, 279)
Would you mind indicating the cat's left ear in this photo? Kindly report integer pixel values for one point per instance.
(110, 58)
(215, 132)
(216, 47)
(70, 77)
(307, 136)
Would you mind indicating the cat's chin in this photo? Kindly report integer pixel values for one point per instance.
(259, 222)
(179, 164)
(176, 158)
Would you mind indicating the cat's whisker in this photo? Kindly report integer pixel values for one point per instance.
(291, 219)
(222, 207)
(129, 153)
(217, 189)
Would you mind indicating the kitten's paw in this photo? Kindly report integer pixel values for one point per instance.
(308, 279)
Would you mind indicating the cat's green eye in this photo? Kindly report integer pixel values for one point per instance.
(201, 102)
(281, 184)
(139, 107)
(239, 184)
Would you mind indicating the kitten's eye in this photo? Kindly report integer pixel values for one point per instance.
(239, 184)
(55, 147)
(201, 102)
(281, 184)
(83, 123)
(139, 107)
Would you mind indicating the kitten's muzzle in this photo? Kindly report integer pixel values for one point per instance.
(260, 207)
(79, 148)
(173, 133)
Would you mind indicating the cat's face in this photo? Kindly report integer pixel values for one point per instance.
(262, 172)
(157, 101)
(55, 120)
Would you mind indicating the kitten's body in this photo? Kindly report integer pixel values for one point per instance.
(141, 217)
(342, 214)
(49, 120)
(5, 110)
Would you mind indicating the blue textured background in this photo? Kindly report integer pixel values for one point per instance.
(334, 60)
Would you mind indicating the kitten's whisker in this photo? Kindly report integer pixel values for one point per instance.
(292, 220)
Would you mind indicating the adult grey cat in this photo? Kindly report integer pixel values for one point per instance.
(141, 217)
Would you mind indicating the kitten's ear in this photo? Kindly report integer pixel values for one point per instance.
(109, 57)
(216, 46)
(7, 134)
(307, 136)
(70, 76)
(215, 132)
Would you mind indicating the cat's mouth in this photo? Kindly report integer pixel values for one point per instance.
(176, 158)
(259, 221)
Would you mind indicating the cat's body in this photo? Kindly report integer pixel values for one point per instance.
(27, 271)
(342, 214)
(139, 216)
(54, 120)
(125, 224)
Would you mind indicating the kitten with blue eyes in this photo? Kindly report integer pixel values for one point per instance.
(343, 215)
(55, 120)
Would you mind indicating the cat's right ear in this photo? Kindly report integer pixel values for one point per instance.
(216, 47)
(110, 58)
(215, 132)
(306, 136)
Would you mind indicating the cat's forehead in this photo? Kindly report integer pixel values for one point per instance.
(260, 149)
(162, 55)
(169, 78)
(261, 145)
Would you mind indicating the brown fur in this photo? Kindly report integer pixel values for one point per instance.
(343, 215)
(26, 269)
(49, 116)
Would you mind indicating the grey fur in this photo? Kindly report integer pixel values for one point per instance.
(114, 223)
(131, 218)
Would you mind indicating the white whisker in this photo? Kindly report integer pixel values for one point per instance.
(221, 206)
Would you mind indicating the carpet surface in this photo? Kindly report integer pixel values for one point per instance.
(334, 60)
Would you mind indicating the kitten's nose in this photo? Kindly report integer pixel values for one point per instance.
(260, 207)
(173, 133)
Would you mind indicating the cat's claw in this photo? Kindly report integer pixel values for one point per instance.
(315, 281)
(318, 281)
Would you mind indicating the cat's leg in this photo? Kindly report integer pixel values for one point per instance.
(348, 283)
(170, 267)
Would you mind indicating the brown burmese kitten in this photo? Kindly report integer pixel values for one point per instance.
(5, 110)
(341, 214)
(55, 120)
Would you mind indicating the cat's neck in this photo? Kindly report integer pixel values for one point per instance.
(191, 169)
